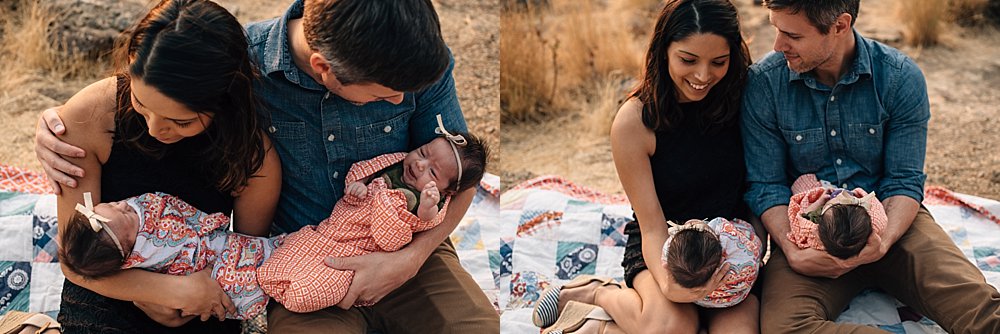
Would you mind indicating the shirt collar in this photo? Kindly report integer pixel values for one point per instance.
(862, 63)
(134, 203)
(278, 54)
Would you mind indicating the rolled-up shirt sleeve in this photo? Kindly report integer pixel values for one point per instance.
(765, 149)
(906, 135)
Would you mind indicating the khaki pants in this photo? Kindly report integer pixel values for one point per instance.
(441, 298)
(924, 270)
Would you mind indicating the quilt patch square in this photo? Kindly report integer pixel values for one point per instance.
(987, 258)
(525, 288)
(43, 238)
(575, 258)
(613, 230)
(15, 245)
(17, 204)
(46, 292)
(500, 260)
(14, 279)
(538, 223)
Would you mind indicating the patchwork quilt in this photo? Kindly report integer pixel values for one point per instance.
(542, 232)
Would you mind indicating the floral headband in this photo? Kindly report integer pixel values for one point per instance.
(97, 222)
(453, 140)
(845, 198)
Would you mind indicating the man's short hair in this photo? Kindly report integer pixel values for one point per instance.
(394, 43)
(821, 13)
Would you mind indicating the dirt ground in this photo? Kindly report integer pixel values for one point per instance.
(963, 73)
(470, 28)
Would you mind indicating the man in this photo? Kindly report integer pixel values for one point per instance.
(345, 81)
(854, 112)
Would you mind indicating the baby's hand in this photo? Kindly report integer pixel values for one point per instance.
(357, 189)
(430, 194)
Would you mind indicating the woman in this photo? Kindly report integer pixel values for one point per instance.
(178, 117)
(677, 149)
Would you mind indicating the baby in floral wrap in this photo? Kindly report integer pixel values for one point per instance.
(697, 251)
(831, 219)
(161, 233)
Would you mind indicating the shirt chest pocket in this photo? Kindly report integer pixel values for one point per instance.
(290, 140)
(806, 149)
(383, 137)
(864, 143)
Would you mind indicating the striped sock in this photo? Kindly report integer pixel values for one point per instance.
(547, 308)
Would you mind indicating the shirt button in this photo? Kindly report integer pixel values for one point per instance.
(844, 185)
(832, 98)
(798, 138)
(272, 129)
(871, 130)
(331, 137)
(840, 161)
(833, 133)
(387, 128)
(336, 174)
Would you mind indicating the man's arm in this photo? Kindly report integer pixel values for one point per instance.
(378, 274)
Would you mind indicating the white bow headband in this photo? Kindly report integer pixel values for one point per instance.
(97, 222)
(845, 198)
(453, 140)
(676, 228)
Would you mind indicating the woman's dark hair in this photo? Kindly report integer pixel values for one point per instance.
(394, 43)
(194, 52)
(693, 257)
(845, 229)
(87, 253)
(822, 14)
(474, 156)
(681, 19)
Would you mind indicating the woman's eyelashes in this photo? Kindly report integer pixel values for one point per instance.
(717, 63)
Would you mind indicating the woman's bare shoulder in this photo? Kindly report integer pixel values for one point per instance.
(89, 116)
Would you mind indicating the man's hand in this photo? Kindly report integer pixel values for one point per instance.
(201, 295)
(430, 193)
(357, 189)
(375, 275)
(817, 263)
(49, 150)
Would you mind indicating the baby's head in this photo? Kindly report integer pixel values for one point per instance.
(693, 253)
(88, 243)
(844, 229)
(438, 161)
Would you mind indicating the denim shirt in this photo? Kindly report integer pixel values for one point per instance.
(869, 130)
(319, 135)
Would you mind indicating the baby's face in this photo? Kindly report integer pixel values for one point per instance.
(124, 221)
(435, 161)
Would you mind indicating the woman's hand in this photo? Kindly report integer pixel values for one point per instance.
(164, 315)
(201, 295)
(678, 294)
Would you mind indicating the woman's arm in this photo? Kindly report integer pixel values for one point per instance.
(253, 211)
(631, 145)
(89, 122)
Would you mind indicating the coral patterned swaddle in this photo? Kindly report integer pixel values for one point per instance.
(176, 238)
(295, 274)
(741, 249)
(807, 190)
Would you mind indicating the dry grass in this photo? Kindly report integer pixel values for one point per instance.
(608, 95)
(923, 21)
(967, 12)
(529, 74)
(552, 65)
(27, 43)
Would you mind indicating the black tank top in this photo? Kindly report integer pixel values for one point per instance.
(179, 172)
(699, 174)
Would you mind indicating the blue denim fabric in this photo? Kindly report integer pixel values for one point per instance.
(868, 131)
(319, 135)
